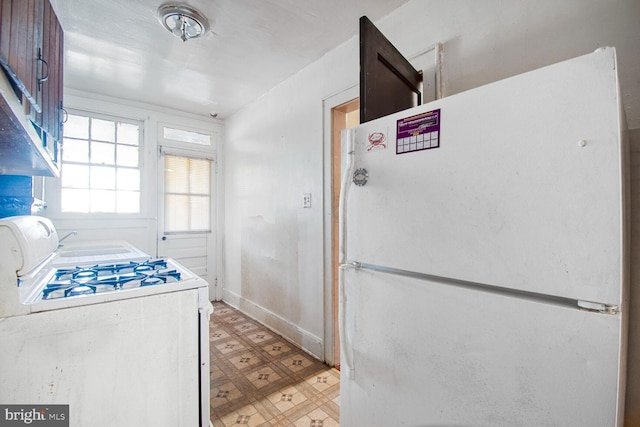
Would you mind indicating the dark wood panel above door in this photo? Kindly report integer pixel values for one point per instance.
(388, 82)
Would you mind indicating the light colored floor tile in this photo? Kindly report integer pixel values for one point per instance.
(244, 360)
(246, 416)
(263, 377)
(245, 327)
(287, 398)
(322, 380)
(260, 337)
(229, 346)
(234, 318)
(296, 362)
(218, 334)
(277, 349)
(224, 394)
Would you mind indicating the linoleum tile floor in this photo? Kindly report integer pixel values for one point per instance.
(260, 379)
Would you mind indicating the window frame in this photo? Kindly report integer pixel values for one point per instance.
(54, 202)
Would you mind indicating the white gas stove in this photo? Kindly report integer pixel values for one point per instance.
(64, 308)
(49, 276)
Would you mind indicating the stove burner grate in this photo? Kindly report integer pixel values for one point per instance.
(108, 278)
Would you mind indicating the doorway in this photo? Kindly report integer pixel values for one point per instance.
(343, 117)
(342, 111)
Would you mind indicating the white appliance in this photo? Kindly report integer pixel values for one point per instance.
(484, 256)
(122, 341)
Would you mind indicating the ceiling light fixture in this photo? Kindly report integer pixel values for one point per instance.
(182, 20)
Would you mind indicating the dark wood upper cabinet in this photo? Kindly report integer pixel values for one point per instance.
(388, 82)
(31, 55)
(51, 88)
(21, 40)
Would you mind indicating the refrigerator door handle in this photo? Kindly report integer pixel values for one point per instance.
(599, 307)
(348, 153)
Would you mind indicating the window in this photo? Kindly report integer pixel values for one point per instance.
(187, 194)
(181, 135)
(100, 171)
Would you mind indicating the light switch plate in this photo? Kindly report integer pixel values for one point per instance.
(306, 200)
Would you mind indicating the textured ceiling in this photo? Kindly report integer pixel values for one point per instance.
(118, 48)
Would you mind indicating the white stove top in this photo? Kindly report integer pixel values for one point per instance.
(38, 275)
(99, 283)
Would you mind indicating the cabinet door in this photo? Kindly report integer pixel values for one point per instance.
(51, 89)
(5, 28)
(388, 82)
(20, 41)
(31, 53)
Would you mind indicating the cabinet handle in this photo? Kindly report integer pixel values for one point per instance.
(45, 77)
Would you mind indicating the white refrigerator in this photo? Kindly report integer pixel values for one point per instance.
(484, 261)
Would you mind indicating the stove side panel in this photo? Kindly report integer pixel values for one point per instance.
(128, 362)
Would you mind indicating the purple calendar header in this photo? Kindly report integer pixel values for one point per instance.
(419, 132)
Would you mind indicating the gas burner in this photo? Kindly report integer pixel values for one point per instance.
(101, 278)
(94, 271)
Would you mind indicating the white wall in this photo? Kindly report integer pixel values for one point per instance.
(273, 254)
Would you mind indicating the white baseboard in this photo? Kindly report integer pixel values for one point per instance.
(298, 336)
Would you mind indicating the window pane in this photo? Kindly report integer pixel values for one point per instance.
(186, 136)
(77, 127)
(127, 156)
(103, 177)
(75, 200)
(176, 213)
(102, 201)
(187, 194)
(176, 174)
(128, 134)
(75, 150)
(103, 130)
(128, 179)
(75, 176)
(199, 176)
(128, 201)
(199, 213)
(103, 153)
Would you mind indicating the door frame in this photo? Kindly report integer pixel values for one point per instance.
(331, 350)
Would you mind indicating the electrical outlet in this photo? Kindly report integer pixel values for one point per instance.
(306, 200)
